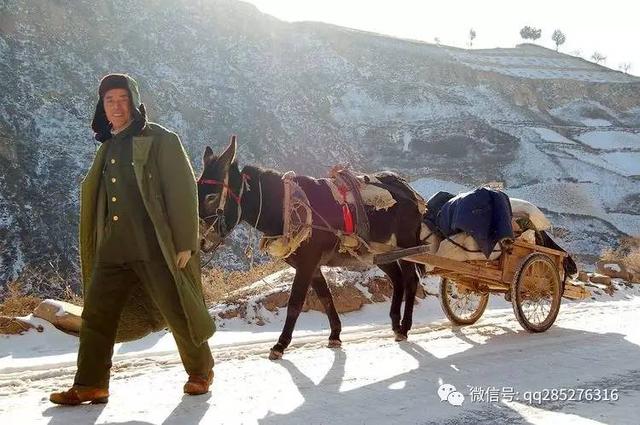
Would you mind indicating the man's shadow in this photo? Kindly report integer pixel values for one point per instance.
(65, 415)
(190, 410)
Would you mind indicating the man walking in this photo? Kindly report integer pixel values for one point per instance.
(138, 234)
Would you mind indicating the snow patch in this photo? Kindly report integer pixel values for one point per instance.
(551, 136)
(595, 122)
(610, 139)
(626, 163)
(578, 111)
(572, 198)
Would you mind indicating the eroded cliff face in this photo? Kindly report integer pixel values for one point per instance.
(303, 97)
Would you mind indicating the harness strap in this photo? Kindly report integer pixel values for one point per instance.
(287, 179)
(226, 191)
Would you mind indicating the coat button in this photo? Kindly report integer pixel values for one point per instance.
(113, 199)
(113, 179)
(115, 218)
(113, 161)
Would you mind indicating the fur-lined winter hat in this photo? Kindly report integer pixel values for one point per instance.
(100, 124)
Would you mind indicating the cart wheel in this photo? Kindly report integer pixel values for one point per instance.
(462, 306)
(535, 293)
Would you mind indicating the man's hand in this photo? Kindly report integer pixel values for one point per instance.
(182, 259)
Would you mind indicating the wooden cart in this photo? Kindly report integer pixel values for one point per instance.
(530, 276)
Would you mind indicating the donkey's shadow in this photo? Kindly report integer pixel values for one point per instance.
(411, 396)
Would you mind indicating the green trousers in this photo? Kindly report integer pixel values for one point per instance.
(109, 291)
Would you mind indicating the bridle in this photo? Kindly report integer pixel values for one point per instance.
(219, 223)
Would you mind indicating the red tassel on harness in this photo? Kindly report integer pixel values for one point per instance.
(348, 219)
(346, 212)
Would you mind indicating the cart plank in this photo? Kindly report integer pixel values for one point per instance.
(456, 266)
(512, 261)
(540, 248)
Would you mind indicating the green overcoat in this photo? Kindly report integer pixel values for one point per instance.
(167, 185)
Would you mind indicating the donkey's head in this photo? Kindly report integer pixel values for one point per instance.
(219, 202)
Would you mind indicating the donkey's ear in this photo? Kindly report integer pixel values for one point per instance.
(208, 154)
(229, 155)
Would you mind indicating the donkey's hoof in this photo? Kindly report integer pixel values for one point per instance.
(334, 343)
(399, 336)
(275, 354)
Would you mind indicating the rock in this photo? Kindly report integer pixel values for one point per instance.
(16, 326)
(603, 266)
(575, 291)
(345, 298)
(62, 315)
(348, 298)
(230, 313)
(583, 276)
(380, 289)
(275, 300)
(614, 269)
(312, 302)
(601, 279)
(378, 298)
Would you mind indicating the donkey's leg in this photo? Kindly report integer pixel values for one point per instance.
(410, 277)
(319, 285)
(299, 289)
(395, 274)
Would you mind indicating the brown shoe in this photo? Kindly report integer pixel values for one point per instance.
(198, 384)
(78, 395)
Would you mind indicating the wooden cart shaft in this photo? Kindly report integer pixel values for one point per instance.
(496, 275)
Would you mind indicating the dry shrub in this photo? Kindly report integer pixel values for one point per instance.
(217, 283)
(16, 303)
(71, 297)
(47, 280)
(16, 326)
(35, 283)
(627, 253)
(213, 285)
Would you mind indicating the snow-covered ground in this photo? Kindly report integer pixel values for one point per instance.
(503, 372)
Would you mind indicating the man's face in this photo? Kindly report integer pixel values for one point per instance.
(117, 106)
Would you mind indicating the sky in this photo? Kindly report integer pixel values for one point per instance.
(610, 27)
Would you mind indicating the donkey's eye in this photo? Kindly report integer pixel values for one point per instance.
(212, 199)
